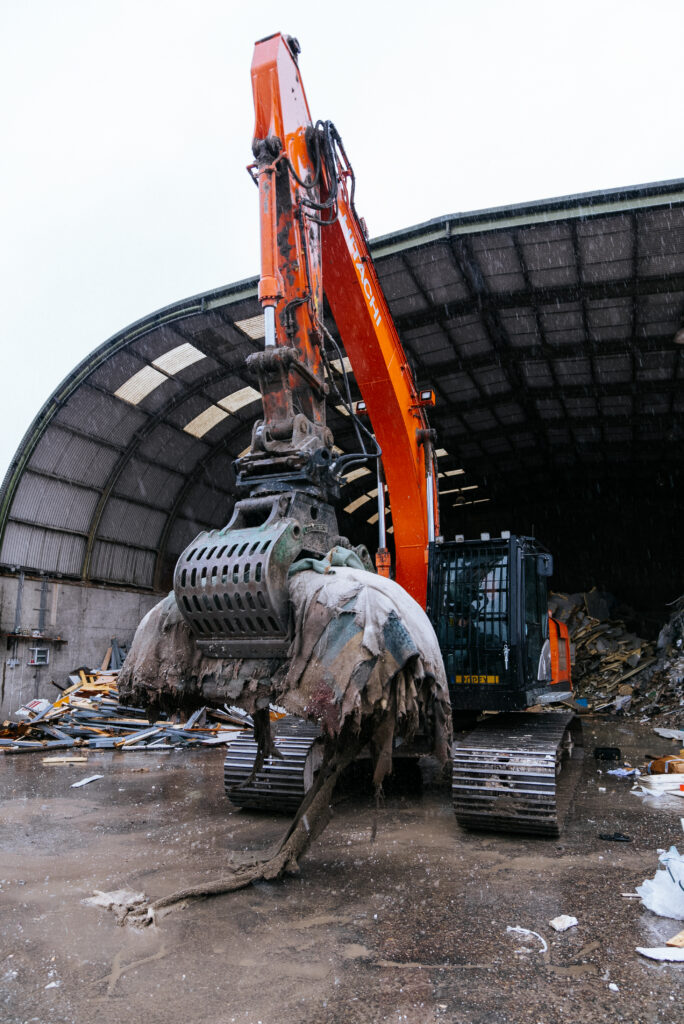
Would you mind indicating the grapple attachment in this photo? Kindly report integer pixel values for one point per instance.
(231, 584)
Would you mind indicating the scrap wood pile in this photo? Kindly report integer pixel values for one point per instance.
(88, 714)
(615, 669)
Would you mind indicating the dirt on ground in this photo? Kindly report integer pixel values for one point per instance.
(410, 928)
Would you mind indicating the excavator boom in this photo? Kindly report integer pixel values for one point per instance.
(309, 223)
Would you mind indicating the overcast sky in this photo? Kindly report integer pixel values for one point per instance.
(126, 127)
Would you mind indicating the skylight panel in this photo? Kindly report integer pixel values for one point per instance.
(357, 503)
(253, 327)
(354, 474)
(140, 385)
(239, 399)
(338, 364)
(459, 490)
(203, 423)
(176, 359)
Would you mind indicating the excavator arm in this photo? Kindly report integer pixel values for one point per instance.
(231, 584)
(395, 407)
(309, 224)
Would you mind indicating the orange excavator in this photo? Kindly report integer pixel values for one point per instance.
(486, 598)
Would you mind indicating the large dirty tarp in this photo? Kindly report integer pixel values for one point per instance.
(364, 658)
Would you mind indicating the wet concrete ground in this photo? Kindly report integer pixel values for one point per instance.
(411, 928)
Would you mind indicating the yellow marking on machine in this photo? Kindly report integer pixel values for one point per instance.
(477, 679)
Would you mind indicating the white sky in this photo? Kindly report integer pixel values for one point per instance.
(126, 127)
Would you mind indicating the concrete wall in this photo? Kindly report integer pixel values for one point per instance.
(86, 617)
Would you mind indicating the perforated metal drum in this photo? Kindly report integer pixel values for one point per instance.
(231, 584)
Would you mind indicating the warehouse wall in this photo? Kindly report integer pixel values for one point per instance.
(86, 617)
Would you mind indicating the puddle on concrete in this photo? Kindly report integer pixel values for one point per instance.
(355, 951)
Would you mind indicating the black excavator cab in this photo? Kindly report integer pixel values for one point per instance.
(487, 601)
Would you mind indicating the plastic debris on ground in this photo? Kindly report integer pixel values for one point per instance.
(670, 734)
(119, 901)
(563, 922)
(87, 714)
(658, 785)
(615, 669)
(664, 893)
(624, 773)
(662, 953)
(526, 934)
(84, 782)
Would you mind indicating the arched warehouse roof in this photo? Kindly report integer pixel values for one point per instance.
(548, 330)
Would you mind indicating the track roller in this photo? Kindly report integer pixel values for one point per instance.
(517, 772)
(282, 783)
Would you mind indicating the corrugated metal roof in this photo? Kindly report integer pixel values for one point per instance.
(129, 523)
(149, 484)
(25, 545)
(546, 329)
(71, 457)
(57, 503)
(118, 563)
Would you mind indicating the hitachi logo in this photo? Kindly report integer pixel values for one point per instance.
(361, 271)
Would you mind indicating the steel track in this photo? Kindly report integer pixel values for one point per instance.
(516, 772)
(283, 781)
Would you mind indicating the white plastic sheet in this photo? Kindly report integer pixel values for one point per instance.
(666, 953)
(664, 893)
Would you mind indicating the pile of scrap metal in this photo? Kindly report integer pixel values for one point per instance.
(88, 714)
(614, 669)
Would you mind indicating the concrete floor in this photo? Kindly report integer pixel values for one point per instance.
(411, 928)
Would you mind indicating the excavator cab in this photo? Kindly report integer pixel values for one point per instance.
(488, 604)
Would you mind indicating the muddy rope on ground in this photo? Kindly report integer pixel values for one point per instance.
(309, 822)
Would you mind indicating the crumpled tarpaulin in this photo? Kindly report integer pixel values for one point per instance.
(364, 660)
(364, 657)
(165, 670)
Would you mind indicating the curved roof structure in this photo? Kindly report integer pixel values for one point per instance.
(549, 332)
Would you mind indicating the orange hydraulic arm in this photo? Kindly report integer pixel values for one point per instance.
(386, 383)
(311, 238)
